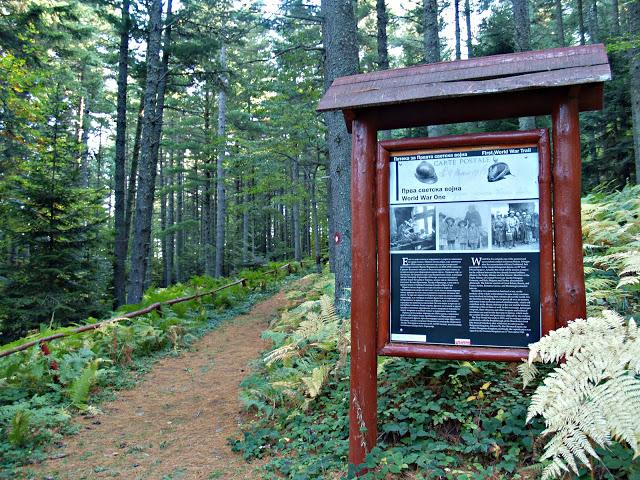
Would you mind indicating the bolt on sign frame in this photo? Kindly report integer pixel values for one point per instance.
(559, 82)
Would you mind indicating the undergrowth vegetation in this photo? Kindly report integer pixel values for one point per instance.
(437, 419)
(592, 398)
(39, 393)
(611, 231)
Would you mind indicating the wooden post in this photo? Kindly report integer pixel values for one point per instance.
(363, 407)
(566, 203)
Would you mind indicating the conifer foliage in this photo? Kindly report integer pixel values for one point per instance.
(50, 219)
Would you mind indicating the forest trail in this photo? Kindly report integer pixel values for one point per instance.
(175, 423)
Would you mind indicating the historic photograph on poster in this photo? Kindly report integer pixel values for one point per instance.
(463, 226)
(514, 226)
(464, 247)
(413, 228)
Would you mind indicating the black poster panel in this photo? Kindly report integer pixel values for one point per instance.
(477, 299)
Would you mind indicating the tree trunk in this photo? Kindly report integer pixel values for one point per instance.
(148, 275)
(523, 28)
(559, 23)
(523, 43)
(238, 208)
(84, 144)
(456, 7)
(268, 238)
(383, 21)
(245, 227)
(80, 119)
(98, 181)
(592, 19)
(331, 235)
(467, 17)
(615, 14)
(592, 120)
(314, 217)
(253, 228)
(580, 9)
(431, 30)
(180, 234)
(283, 218)
(162, 88)
(339, 35)
(163, 224)
(133, 172)
(146, 176)
(295, 213)
(171, 244)
(80, 129)
(306, 213)
(121, 240)
(634, 81)
(206, 196)
(432, 49)
(220, 210)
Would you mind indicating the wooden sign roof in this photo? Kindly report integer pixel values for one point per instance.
(498, 74)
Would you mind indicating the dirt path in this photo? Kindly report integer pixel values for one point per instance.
(174, 424)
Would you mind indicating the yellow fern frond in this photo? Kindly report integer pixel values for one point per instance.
(528, 372)
(284, 352)
(316, 380)
(631, 263)
(628, 280)
(328, 309)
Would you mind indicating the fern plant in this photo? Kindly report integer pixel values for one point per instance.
(309, 342)
(20, 424)
(307, 329)
(78, 391)
(592, 399)
(611, 233)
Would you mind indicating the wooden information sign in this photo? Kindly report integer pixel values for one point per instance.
(465, 222)
(463, 247)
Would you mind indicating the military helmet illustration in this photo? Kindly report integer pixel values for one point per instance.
(426, 173)
(498, 171)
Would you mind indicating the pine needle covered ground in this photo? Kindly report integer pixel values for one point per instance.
(38, 403)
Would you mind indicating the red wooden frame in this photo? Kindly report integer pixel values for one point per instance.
(539, 138)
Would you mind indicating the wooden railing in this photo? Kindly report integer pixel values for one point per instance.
(148, 309)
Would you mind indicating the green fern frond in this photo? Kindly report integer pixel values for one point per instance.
(591, 270)
(593, 284)
(20, 426)
(286, 387)
(78, 391)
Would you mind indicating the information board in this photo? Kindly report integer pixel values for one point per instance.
(465, 246)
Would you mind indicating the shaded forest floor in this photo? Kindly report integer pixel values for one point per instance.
(176, 422)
